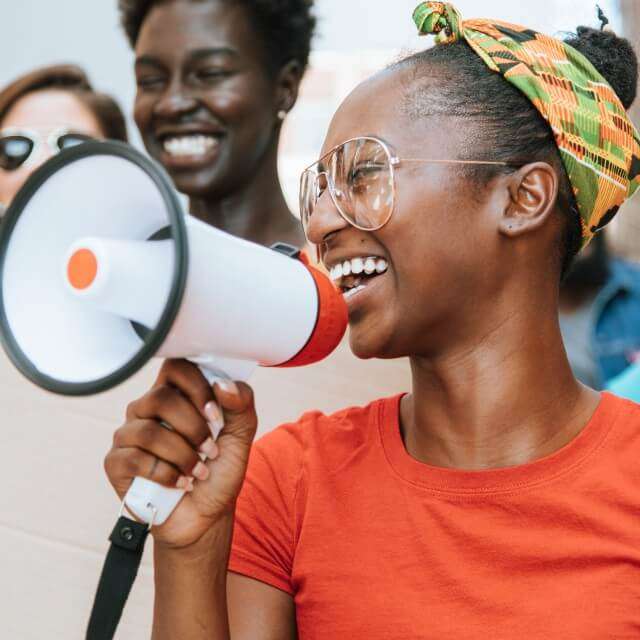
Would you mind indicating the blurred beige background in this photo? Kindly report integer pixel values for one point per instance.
(56, 507)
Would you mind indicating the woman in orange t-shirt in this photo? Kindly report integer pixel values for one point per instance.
(500, 498)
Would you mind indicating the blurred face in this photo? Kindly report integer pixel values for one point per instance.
(51, 117)
(205, 106)
(435, 256)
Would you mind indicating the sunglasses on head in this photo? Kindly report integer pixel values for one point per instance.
(19, 147)
(360, 177)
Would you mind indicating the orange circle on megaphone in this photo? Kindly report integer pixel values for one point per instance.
(82, 269)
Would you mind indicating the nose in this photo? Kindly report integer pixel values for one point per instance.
(176, 101)
(326, 218)
(43, 153)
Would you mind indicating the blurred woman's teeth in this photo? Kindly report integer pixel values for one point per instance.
(196, 145)
(357, 265)
(381, 265)
(346, 268)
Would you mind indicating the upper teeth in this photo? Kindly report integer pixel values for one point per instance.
(192, 145)
(357, 266)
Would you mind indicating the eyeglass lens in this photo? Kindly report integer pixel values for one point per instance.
(68, 140)
(361, 173)
(14, 150)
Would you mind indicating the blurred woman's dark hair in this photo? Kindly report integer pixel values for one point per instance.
(71, 78)
(286, 26)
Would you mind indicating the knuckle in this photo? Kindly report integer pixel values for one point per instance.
(147, 434)
(161, 396)
(131, 409)
(132, 463)
(118, 438)
(107, 463)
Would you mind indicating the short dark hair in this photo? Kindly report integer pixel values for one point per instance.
(286, 26)
(512, 128)
(71, 78)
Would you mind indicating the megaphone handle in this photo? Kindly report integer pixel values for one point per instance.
(217, 368)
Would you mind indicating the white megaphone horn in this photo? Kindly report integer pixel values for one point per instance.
(101, 271)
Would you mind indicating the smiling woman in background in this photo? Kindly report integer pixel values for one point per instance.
(45, 111)
(215, 81)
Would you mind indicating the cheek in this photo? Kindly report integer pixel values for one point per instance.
(142, 109)
(244, 103)
(430, 239)
(10, 183)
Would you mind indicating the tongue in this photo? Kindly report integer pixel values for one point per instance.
(352, 281)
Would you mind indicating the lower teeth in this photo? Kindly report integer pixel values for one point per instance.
(351, 292)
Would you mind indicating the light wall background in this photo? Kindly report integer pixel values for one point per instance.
(56, 508)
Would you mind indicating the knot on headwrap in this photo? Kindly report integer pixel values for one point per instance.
(598, 144)
(439, 18)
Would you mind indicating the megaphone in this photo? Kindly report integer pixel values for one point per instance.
(101, 270)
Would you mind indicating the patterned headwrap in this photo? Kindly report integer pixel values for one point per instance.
(598, 144)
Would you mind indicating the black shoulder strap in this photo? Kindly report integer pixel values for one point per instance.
(118, 574)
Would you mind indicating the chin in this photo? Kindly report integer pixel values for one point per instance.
(368, 344)
(194, 185)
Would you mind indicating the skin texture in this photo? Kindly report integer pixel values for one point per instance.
(43, 112)
(200, 68)
(476, 315)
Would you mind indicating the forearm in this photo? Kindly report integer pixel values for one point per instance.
(191, 588)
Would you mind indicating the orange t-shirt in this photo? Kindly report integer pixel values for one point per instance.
(374, 545)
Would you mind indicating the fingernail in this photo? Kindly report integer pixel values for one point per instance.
(189, 488)
(228, 386)
(209, 448)
(182, 483)
(200, 471)
(214, 416)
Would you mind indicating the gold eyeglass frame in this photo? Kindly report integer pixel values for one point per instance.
(394, 162)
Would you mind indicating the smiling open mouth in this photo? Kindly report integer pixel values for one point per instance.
(353, 275)
(190, 145)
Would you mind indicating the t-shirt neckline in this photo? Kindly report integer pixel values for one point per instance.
(506, 479)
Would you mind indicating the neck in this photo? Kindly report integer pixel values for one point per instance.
(256, 211)
(506, 397)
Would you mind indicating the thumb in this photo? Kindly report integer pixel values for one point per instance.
(236, 402)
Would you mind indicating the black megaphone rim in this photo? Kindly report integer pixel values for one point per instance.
(156, 336)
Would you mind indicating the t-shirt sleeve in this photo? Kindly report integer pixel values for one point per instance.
(268, 509)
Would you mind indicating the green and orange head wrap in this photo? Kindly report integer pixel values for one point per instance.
(598, 144)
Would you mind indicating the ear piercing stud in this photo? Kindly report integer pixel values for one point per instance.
(282, 114)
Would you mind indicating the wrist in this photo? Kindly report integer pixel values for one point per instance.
(214, 544)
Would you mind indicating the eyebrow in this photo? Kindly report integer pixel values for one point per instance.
(196, 54)
(212, 51)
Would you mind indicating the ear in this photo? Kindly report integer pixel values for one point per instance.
(288, 84)
(533, 192)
